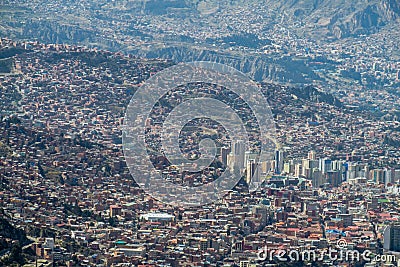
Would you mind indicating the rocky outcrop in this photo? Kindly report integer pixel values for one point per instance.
(341, 18)
(260, 67)
(366, 20)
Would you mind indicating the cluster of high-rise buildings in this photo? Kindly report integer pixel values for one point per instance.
(319, 172)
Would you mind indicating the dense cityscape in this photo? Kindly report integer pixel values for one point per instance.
(68, 199)
(199, 133)
(251, 34)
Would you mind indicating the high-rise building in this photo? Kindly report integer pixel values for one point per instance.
(366, 171)
(305, 166)
(266, 167)
(224, 155)
(252, 171)
(314, 163)
(325, 165)
(390, 175)
(392, 237)
(377, 176)
(248, 155)
(317, 178)
(340, 165)
(307, 172)
(355, 170)
(288, 167)
(298, 170)
(230, 161)
(334, 178)
(238, 151)
(278, 161)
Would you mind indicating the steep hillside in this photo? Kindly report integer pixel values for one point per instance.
(324, 18)
(12, 240)
(341, 18)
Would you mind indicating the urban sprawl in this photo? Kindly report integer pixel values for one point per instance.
(334, 177)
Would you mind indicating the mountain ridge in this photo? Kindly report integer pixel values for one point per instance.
(338, 19)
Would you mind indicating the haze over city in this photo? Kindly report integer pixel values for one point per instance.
(199, 133)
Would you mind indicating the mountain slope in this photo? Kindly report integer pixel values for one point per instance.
(339, 18)
(345, 18)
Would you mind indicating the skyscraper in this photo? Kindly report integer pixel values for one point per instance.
(392, 237)
(334, 178)
(325, 165)
(252, 171)
(278, 161)
(224, 155)
(377, 176)
(298, 169)
(248, 155)
(238, 151)
(317, 178)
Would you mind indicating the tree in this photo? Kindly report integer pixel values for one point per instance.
(16, 254)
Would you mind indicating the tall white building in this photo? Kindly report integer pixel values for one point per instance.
(253, 171)
(238, 154)
(279, 156)
(325, 165)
